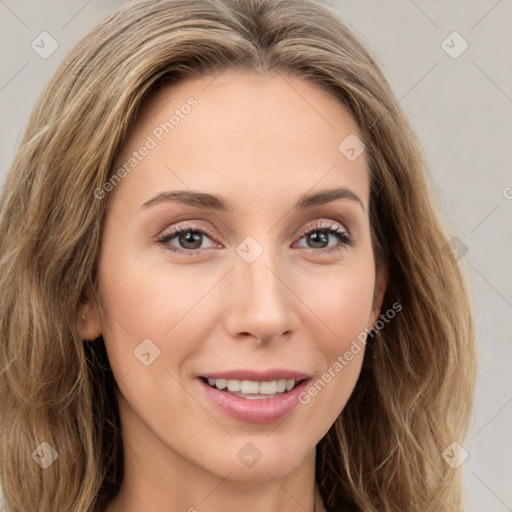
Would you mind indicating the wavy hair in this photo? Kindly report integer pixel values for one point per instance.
(414, 395)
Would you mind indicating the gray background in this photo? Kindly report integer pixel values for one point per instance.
(461, 109)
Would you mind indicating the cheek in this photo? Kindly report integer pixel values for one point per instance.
(348, 308)
(342, 303)
(351, 307)
(145, 312)
(147, 300)
(341, 300)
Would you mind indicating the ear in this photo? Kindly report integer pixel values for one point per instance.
(381, 283)
(90, 325)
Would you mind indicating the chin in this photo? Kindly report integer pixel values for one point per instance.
(259, 458)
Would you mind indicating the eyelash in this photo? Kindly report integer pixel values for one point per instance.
(328, 227)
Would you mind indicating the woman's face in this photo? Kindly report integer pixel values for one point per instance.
(266, 280)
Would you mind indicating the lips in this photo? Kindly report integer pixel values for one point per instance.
(255, 396)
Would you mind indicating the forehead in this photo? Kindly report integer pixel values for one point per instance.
(250, 132)
(252, 100)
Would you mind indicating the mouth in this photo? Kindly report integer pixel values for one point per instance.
(253, 401)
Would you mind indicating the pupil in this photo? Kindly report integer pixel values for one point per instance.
(319, 237)
(191, 237)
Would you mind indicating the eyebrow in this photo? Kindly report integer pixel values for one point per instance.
(213, 202)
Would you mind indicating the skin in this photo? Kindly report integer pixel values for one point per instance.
(260, 141)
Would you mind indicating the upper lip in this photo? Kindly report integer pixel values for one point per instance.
(258, 375)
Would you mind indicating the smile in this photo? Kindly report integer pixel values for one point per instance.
(253, 401)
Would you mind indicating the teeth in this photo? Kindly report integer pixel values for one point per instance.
(267, 388)
(221, 383)
(251, 387)
(281, 385)
(234, 385)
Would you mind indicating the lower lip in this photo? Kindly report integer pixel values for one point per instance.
(261, 410)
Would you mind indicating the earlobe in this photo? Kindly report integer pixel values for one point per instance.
(89, 322)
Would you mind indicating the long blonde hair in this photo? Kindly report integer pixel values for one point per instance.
(415, 393)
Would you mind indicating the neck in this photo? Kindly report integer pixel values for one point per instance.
(251, 497)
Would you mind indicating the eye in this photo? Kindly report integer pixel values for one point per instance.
(318, 237)
(190, 238)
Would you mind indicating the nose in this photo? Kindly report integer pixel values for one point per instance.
(260, 304)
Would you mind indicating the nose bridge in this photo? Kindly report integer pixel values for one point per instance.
(260, 302)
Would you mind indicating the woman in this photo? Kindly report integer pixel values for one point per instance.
(312, 349)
